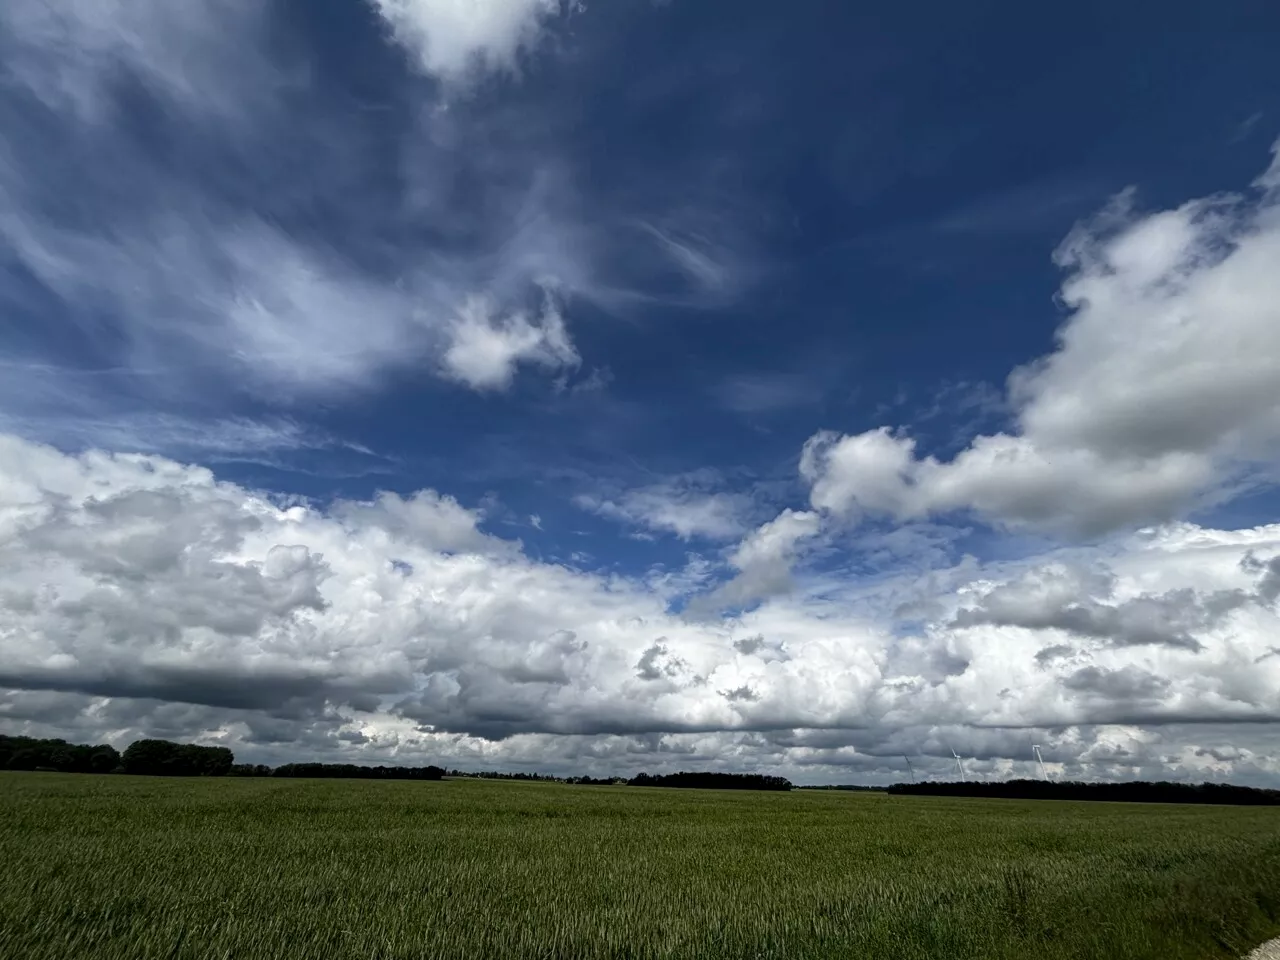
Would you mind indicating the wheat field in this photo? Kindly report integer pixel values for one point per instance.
(122, 867)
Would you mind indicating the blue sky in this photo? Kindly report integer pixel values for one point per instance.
(918, 336)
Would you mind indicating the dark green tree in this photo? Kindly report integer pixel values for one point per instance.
(163, 758)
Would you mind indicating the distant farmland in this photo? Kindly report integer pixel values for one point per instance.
(116, 867)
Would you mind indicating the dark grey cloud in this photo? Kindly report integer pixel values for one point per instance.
(1128, 683)
(1054, 652)
(545, 662)
(1084, 604)
(756, 645)
(1268, 589)
(749, 645)
(657, 663)
(282, 690)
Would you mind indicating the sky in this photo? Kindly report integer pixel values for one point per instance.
(596, 388)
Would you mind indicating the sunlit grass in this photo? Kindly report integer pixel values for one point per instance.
(113, 866)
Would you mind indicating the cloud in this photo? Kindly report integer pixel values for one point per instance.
(657, 663)
(695, 256)
(243, 298)
(1054, 652)
(248, 228)
(453, 40)
(1164, 388)
(142, 596)
(80, 408)
(484, 350)
(687, 506)
(211, 269)
(1128, 683)
(757, 393)
(1082, 603)
(74, 55)
(1269, 585)
(758, 646)
(749, 645)
(691, 247)
(427, 519)
(763, 560)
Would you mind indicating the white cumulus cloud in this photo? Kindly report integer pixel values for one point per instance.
(763, 560)
(141, 596)
(1165, 385)
(452, 39)
(485, 348)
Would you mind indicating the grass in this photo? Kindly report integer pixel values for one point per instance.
(115, 867)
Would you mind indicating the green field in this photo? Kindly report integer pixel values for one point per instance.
(111, 866)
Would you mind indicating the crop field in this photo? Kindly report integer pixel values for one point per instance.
(114, 866)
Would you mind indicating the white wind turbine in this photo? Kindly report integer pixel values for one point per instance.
(960, 767)
(1044, 775)
(910, 768)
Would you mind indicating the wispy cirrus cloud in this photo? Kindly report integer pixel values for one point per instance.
(767, 392)
(208, 281)
(689, 506)
(262, 253)
(75, 56)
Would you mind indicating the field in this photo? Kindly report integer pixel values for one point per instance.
(111, 866)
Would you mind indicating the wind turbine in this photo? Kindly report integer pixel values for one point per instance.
(910, 767)
(959, 766)
(1040, 760)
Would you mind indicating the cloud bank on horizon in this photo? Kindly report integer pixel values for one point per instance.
(374, 390)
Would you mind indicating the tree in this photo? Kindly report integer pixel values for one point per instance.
(29, 753)
(103, 759)
(25, 759)
(162, 758)
(712, 781)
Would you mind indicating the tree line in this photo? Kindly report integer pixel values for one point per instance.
(339, 771)
(843, 786)
(497, 775)
(712, 781)
(168, 759)
(164, 758)
(145, 757)
(29, 753)
(1135, 791)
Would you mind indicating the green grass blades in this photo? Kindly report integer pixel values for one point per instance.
(120, 867)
